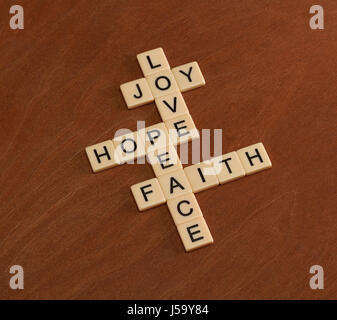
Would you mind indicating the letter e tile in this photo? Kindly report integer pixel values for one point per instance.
(195, 234)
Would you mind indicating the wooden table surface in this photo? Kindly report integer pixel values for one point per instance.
(79, 235)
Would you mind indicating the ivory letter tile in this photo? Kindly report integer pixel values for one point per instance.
(201, 176)
(162, 83)
(129, 147)
(182, 129)
(155, 137)
(171, 106)
(174, 184)
(164, 160)
(188, 76)
(102, 156)
(152, 61)
(184, 208)
(228, 167)
(195, 234)
(254, 158)
(148, 194)
(136, 93)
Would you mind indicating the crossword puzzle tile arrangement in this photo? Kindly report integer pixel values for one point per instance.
(173, 184)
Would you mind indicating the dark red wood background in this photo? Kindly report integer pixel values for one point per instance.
(269, 78)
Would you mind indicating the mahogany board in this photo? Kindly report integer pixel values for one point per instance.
(78, 235)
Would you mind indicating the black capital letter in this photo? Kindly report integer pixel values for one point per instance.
(168, 85)
(180, 128)
(150, 63)
(188, 75)
(227, 165)
(201, 175)
(192, 233)
(252, 157)
(98, 156)
(151, 138)
(161, 161)
(177, 184)
(146, 192)
(179, 209)
(134, 145)
(140, 93)
(174, 109)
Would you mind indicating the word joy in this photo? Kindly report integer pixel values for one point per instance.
(173, 185)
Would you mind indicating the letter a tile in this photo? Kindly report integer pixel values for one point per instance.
(174, 184)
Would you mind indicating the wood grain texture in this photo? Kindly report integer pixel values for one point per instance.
(269, 78)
